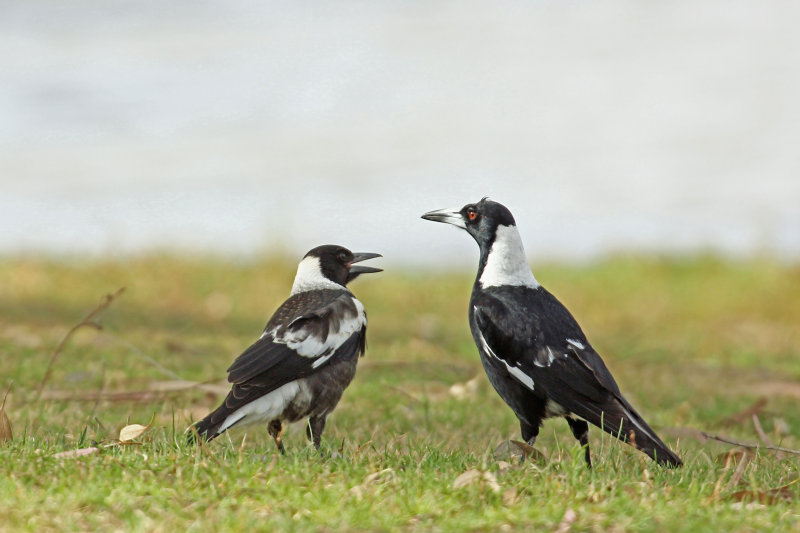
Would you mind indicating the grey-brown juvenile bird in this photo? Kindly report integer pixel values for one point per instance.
(306, 356)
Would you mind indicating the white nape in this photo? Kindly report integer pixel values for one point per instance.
(264, 409)
(506, 263)
(309, 277)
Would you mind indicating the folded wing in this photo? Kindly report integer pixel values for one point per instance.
(562, 367)
(303, 336)
(294, 348)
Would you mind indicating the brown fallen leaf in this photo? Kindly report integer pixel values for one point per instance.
(132, 431)
(381, 477)
(5, 424)
(473, 476)
(515, 451)
(502, 466)
(510, 497)
(466, 478)
(748, 506)
(734, 456)
(566, 522)
(462, 391)
(491, 481)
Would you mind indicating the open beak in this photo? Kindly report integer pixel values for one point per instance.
(361, 269)
(448, 216)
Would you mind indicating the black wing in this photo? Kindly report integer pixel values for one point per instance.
(538, 332)
(305, 333)
(543, 348)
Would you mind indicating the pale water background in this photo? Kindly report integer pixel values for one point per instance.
(236, 127)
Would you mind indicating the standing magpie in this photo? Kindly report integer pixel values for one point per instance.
(532, 349)
(306, 356)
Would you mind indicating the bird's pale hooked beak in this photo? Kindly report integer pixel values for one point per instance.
(448, 216)
(361, 269)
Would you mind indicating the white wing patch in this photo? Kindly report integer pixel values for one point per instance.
(304, 343)
(268, 407)
(521, 376)
(579, 345)
(321, 360)
(550, 358)
(515, 371)
(311, 346)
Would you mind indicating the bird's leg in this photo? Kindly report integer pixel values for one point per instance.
(275, 429)
(529, 432)
(580, 429)
(314, 429)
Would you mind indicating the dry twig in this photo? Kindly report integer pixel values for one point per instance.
(88, 321)
(6, 434)
(748, 445)
(760, 430)
(763, 435)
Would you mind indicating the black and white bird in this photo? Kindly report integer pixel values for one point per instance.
(532, 349)
(306, 356)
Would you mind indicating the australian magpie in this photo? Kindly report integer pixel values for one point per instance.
(306, 356)
(532, 349)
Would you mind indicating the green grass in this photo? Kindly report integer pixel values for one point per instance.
(691, 342)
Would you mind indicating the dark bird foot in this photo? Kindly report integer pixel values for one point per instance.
(275, 429)
(314, 429)
(580, 429)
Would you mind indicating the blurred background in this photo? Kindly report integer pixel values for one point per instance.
(191, 151)
(237, 128)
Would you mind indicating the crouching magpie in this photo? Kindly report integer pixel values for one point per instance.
(306, 356)
(532, 349)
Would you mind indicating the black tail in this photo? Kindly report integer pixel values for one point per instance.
(621, 420)
(208, 428)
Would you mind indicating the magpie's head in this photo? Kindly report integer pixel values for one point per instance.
(480, 220)
(338, 264)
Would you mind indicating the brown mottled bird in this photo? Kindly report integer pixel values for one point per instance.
(306, 356)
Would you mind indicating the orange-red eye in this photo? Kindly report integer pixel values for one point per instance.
(472, 215)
